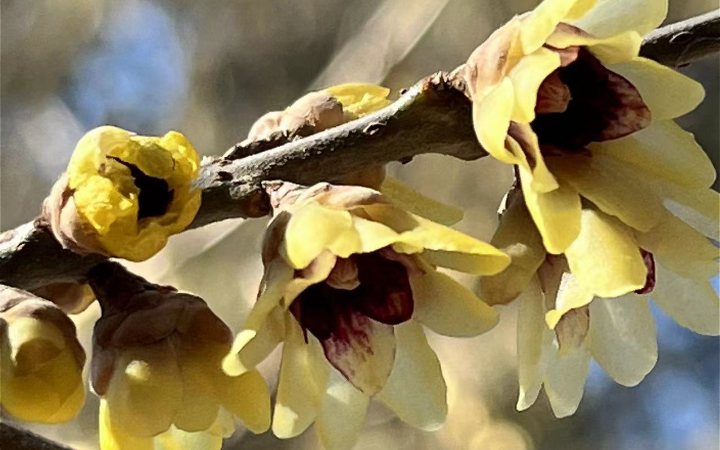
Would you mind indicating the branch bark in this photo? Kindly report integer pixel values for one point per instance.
(13, 438)
(681, 43)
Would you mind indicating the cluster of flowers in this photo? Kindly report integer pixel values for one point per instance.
(612, 204)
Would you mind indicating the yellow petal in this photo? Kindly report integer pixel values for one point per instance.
(610, 17)
(145, 390)
(610, 50)
(680, 248)
(571, 294)
(311, 230)
(665, 150)
(449, 308)
(416, 390)
(556, 213)
(604, 257)
(248, 397)
(442, 246)
(301, 383)
(692, 303)
(176, 439)
(526, 77)
(532, 337)
(698, 208)
(522, 139)
(616, 188)
(622, 338)
(342, 415)
(541, 22)
(491, 118)
(114, 438)
(360, 98)
(565, 379)
(668, 94)
(517, 236)
(199, 408)
(418, 204)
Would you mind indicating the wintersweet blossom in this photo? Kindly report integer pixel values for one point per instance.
(349, 280)
(561, 94)
(592, 301)
(123, 195)
(156, 366)
(42, 360)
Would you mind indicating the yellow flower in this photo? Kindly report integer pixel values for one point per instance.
(349, 279)
(130, 193)
(561, 94)
(42, 361)
(156, 367)
(592, 301)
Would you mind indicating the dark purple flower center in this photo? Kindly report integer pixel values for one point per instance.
(584, 102)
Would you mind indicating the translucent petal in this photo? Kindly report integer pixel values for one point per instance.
(604, 257)
(532, 337)
(668, 94)
(571, 294)
(248, 397)
(556, 214)
(616, 188)
(419, 204)
(442, 246)
(609, 17)
(692, 303)
(342, 415)
(518, 237)
(301, 383)
(622, 338)
(526, 76)
(491, 117)
(145, 390)
(610, 50)
(416, 390)
(681, 248)
(565, 379)
(312, 229)
(541, 22)
(665, 150)
(114, 438)
(700, 209)
(449, 308)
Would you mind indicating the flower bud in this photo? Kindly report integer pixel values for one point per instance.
(156, 366)
(72, 298)
(42, 360)
(123, 195)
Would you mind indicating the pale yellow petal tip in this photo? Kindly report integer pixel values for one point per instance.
(420, 204)
(360, 98)
(552, 318)
(232, 363)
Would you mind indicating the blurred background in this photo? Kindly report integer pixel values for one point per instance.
(209, 69)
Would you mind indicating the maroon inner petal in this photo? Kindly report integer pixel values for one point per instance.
(384, 293)
(651, 279)
(603, 106)
(350, 347)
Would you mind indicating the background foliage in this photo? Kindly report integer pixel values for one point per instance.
(210, 69)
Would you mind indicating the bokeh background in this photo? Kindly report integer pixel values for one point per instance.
(209, 69)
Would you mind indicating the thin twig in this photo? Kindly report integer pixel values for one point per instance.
(681, 43)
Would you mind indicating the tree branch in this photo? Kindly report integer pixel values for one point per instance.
(681, 43)
(434, 116)
(13, 438)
